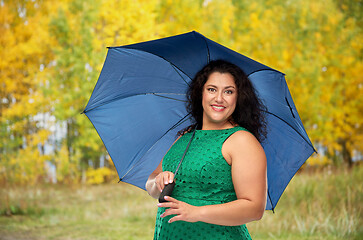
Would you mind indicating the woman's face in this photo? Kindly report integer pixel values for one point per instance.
(219, 100)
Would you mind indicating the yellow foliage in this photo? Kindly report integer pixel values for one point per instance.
(219, 20)
(41, 137)
(27, 166)
(99, 175)
(67, 171)
(125, 22)
(318, 160)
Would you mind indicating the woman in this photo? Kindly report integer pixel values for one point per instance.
(222, 182)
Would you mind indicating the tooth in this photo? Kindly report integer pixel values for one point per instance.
(218, 107)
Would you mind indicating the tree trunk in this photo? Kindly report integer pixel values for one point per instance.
(347, 156)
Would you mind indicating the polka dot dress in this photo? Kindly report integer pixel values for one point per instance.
(204, 178)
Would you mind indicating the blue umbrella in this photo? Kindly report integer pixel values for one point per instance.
(138, 106)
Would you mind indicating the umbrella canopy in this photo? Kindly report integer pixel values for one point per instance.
(139, 104)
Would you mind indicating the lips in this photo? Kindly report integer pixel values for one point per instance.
(218, 108)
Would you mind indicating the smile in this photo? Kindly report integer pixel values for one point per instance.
(218, 108)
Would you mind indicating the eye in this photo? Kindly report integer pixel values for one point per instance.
(211, 89)
(229, 91)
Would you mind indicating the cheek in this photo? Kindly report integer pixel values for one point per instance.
(233, 101)
(204, 100)
(206, 97)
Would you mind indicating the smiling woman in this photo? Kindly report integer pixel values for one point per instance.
(221, 184)
(219, 100)
(248, 111)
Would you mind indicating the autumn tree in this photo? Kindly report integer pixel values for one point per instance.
(24, 53)
(81, 31)
(319, 49)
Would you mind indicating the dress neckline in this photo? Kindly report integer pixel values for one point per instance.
(210, 130)
(200, 132)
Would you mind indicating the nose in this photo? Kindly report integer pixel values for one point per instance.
(219, 97)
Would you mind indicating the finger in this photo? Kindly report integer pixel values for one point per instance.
(171, 177)
(170, 199)
(176, 218)
(166, 178)
(167, 205)
(170, 211)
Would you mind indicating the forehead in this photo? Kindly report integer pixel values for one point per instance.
(221, 80)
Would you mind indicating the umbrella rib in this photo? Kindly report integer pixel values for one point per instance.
(122, 97)
(272, 205)
(175, 69)
(206, 44)
(156, 94)
(173, 127)
(265, 69)
(208, 56)
(294, 130)
(116, 49)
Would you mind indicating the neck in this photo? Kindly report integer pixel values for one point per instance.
(217, 126)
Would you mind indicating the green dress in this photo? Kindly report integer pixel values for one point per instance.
(204, 178)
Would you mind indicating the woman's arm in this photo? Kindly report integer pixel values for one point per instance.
(150, 185)
(157, 180)
(248, 166)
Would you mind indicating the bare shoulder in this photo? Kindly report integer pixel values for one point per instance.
(242, 143)
(242, 135)
(242, 139)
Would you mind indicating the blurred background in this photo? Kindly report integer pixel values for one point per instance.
(56, 178)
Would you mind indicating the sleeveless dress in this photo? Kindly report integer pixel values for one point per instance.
(204, 178)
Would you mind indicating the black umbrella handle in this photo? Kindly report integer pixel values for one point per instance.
(168, 189)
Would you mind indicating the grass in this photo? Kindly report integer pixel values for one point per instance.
(83, 212)
(320, 205)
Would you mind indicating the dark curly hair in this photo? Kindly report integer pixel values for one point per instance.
(249, 112)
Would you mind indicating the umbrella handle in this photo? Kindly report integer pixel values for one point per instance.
(168, 189)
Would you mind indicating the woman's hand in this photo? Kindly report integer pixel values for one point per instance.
(163, 178)
(182, 210)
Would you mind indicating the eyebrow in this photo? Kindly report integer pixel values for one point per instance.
(211, 85)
